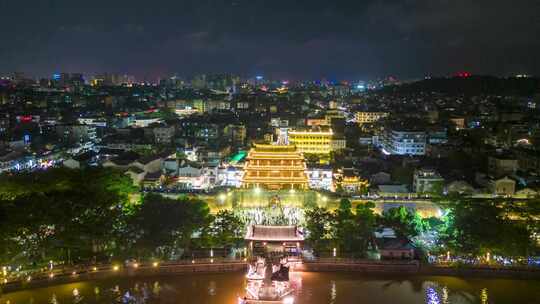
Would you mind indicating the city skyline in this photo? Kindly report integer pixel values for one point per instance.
(276, 152)
(349, 40)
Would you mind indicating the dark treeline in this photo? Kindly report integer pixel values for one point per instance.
(473, 85)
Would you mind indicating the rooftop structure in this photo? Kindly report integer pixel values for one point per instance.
(427, 180)
(275, 167)
(274, 233)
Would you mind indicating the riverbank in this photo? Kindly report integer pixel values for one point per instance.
(416, 268)
(136, 270)
(368, 267)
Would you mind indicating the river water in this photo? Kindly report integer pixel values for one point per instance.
(311, 288)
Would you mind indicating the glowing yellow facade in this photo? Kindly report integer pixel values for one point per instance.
(315, 142)
(275, 167)
(369, 117)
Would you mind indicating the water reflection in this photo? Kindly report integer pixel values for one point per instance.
(484, 296)
(156, 288)
(212, 288)
(312, 288)
(444, 296)
(53, 299)
(432, 297)
(333, 292)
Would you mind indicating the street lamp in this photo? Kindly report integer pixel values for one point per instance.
(334, 252)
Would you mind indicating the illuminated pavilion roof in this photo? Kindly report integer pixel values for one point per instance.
(274, 233)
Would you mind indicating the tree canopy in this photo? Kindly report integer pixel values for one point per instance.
(72, 213)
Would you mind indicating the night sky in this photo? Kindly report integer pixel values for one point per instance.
(282, 39)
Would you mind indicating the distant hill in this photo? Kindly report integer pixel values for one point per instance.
(473, 85)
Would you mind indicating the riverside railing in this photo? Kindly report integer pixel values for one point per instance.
(338, 260)
(75, 272)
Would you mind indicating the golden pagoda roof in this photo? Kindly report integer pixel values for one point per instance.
(275, 148)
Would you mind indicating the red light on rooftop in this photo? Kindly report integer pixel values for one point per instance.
(25, 118)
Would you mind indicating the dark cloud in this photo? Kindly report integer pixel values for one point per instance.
(341, 39)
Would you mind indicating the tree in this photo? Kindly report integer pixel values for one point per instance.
(166, 226)
(404, 222)
(477, 227)
(365, 221)
(226, 229)
(60, 214)
(344, 225)
(319, 223)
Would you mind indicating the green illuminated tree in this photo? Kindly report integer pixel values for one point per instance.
(226, 229)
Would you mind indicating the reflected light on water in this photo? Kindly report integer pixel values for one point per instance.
(53, 299)
(432, 297)
(212, 288)
(157, 288)
(445, 295)
(311, 288)
(333, 292)
(484, 296)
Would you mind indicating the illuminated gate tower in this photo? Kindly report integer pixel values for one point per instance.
(275, 167)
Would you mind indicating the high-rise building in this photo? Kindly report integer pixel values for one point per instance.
(219, 82)
(111, 79)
